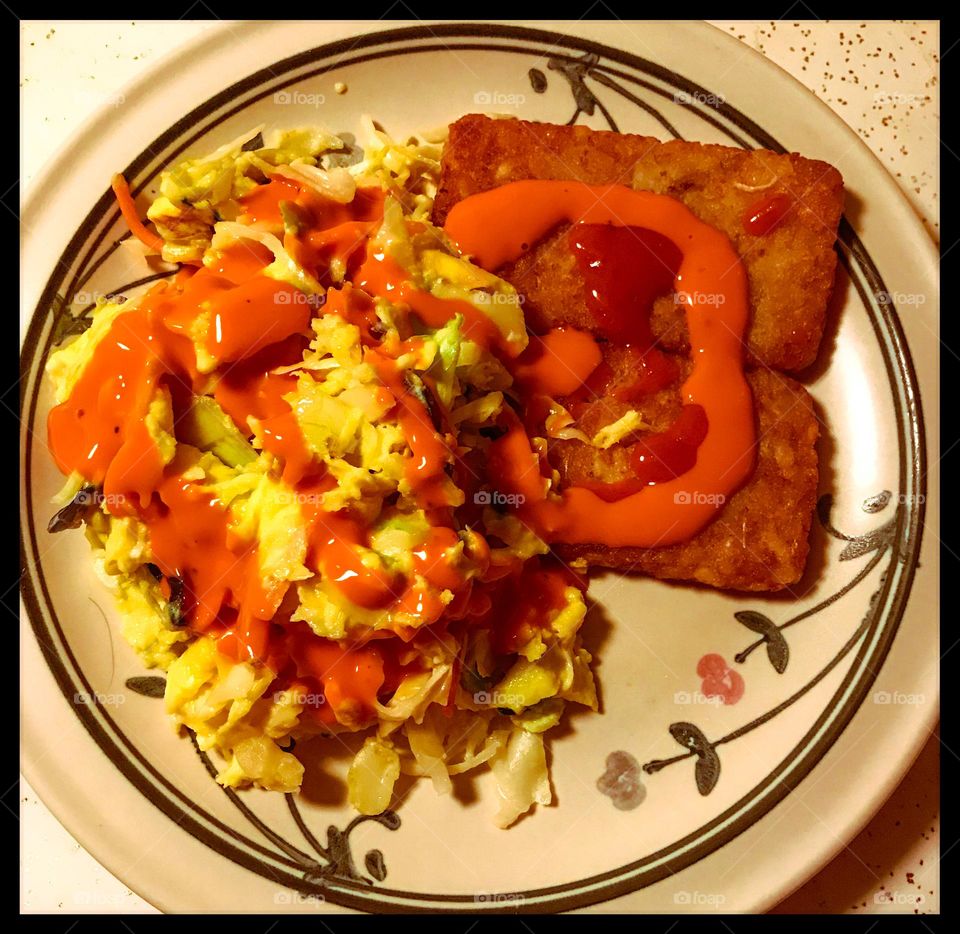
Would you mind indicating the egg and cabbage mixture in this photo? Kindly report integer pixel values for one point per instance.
(281, 458)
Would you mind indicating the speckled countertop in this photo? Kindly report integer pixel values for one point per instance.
(882, 78)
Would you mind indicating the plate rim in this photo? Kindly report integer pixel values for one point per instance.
(611, 53)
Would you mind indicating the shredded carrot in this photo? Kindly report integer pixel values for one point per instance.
(183, 274)
(129, 211)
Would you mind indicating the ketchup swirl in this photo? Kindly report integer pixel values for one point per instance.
(496, 226)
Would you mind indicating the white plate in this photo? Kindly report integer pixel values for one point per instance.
(805, 757)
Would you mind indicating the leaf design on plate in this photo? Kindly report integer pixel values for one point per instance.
(777, 649)
(707, 770)
(877, 502)
(376, 865)
(150, 686)
(860, 545)
(864, 545)
(779, 653)
(67, 321)
(755, 622)
(538, 80)
(575, 72)
(84, 504)
(389, 819)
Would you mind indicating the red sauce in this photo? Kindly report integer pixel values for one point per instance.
(330, 677)
(525, 602)
(347, 675)
(257, 324)
(314, 212)
(241, 262)
(262, 205)
(191, 538)
(496, 226)
(669, 454)
(334, 542)
(766, 214)
(624, 270)
(628, 373)
(254, 315)
(383, 277)
(430, 455)
(423, 604)
(328, 230)
(514, 466)
(557, 363)
(660, 457)
(316, 249)
(630, 246)
(356, 307)
(249, 390)
(101, 431)
(239, 310)
(430, 559)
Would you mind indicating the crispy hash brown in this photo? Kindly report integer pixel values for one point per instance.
(790, 270)
(759, 540)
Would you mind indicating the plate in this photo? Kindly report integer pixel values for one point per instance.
(668, 800)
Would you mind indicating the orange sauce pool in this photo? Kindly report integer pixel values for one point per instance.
(496, 226)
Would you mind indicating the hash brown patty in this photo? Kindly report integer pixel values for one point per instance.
(759, 539)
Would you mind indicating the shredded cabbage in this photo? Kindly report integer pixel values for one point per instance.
(283, 268)
(451, 700)
(520, 768)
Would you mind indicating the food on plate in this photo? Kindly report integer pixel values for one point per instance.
(347, 465)
(790, 267)
(780, 213)
(759, 539)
